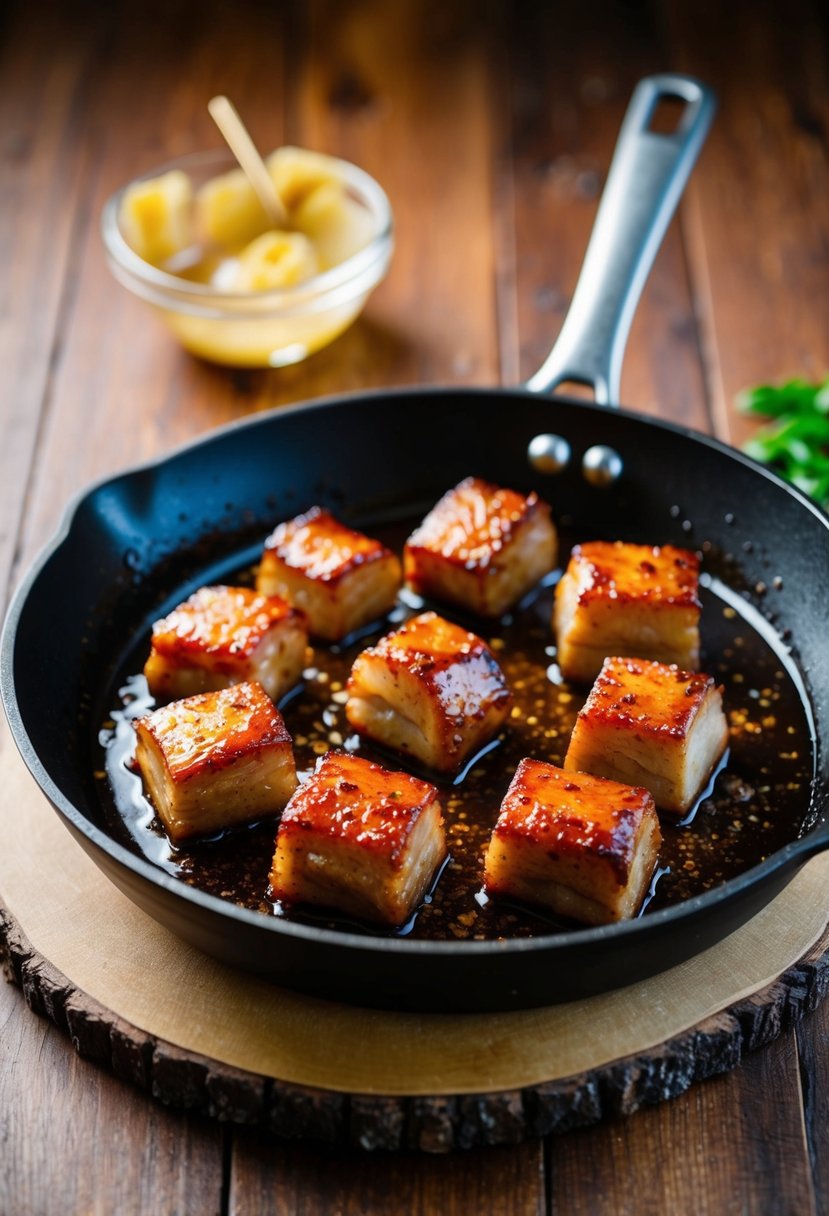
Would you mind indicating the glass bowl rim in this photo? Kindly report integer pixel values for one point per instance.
(184, 291)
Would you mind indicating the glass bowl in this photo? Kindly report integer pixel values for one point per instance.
(264, 328)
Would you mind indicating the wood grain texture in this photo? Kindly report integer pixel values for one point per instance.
(273, 1180)
(125, 391)
(717, 1149)
(43, 176)
(758, 221)
(191, 1082)
(812, 1038)
(713, 1152)
(571, 84)
(75, 1139)
(512, 114)
(410, 100)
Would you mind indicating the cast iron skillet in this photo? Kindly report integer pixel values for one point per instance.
(129, 543)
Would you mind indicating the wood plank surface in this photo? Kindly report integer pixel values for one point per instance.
(572, 80)
(813, 1056)
(491, 128)
(126, 392)
(410, 99)
(758, 217)
(43, 180)
(75, 1139)
(275, 1182)
(714, 1151)
(437, 307)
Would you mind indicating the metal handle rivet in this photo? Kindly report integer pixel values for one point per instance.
(601, 465)
(549, 453)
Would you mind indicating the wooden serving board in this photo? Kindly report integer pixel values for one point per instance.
(199, 1035)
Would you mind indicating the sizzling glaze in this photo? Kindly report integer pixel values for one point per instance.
(351, 799)
(574, 814)
(635, 574)
(213, 730)
(756, 803)
(220, 621)
(318, 546)
(456, 668)
(471, 524)
(654, 699)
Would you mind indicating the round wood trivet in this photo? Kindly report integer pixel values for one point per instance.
(198, 1035)
(435, 1123)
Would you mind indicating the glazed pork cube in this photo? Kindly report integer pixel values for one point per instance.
(618, 598)
(339, 578)
(430, 690)
(215, 760)
(481, 547)
(360, 839)
(226, 635)
(651, 724)
(578, 845)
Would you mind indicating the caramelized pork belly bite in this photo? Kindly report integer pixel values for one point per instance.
(222, 636)
(339, 578)
(637, 600)
(579, 845)
(654, 725)
(430, 690)
(360, 839)
(482, 547)
(215, 760)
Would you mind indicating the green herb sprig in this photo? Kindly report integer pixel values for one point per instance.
(796, 443)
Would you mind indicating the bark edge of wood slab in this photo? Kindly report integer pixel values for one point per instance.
(439, 1124)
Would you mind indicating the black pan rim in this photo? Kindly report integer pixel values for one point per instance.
(796, 851)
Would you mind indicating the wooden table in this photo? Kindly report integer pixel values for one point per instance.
(491, 130)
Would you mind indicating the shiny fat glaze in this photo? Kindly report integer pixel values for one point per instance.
(636, 574)
(756, 802)
(212, 730)
(221, 621)
(348, 798)
(654, 699)
(319, 547)
(574, 814)
(472, 523)
(456, 668)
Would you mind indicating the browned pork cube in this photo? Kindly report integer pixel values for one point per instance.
(578, 845)
(339, 578)
(482, 547)
(637, 600)
(430, 690)
(215, 760)
(654, 724)
(360, 839)
(226, 635)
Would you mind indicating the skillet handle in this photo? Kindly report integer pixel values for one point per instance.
(646, 178)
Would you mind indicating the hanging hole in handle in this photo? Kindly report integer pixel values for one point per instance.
(666, 114)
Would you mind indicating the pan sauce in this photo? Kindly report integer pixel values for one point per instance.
(753, 806)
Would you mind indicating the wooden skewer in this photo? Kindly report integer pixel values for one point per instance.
(227, 119)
